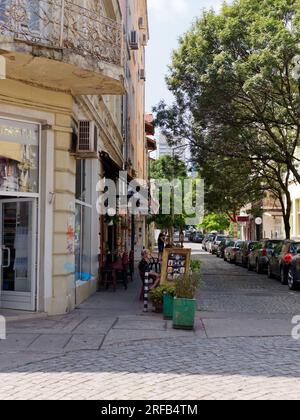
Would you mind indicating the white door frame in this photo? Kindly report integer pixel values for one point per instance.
(21, 300)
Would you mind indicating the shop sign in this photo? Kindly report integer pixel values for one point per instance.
(243, 219)
(176, 264)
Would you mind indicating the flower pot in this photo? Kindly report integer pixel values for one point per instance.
(184, 314)
(168, 306)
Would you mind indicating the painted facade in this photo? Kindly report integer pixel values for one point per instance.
(54, 75)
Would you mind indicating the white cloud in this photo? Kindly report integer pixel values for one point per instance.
(166, 10)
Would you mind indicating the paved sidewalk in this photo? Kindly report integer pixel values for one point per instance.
(108, 349)
(106, 319)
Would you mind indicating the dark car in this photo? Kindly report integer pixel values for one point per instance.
(198, 238)
(191, 236)
(294, 273)
(242, 254)
(280, 260)
(216, 243)
(259, 256)
(230, 252)
(223, 245)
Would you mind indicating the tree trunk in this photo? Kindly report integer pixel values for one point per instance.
(287, 216)
(286, 210)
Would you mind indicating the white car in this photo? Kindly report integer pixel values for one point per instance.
(209, 244)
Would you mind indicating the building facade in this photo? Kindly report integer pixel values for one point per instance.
(62, 90)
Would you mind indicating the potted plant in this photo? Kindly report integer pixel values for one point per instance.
(168, 301)
(157, 296)
(185, 304)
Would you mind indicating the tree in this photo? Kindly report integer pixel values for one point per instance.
(236, 84)
(168, 168)
(215, 222)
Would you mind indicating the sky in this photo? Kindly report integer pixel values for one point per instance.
(168, 20)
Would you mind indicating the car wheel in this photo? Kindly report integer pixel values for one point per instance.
(270, 274)
(291, 281)
(283, 277)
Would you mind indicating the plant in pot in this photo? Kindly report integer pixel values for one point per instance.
(168, 301)
(185, 304)
(157, 296)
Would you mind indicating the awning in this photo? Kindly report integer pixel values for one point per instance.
(111, 168)
(151, 144)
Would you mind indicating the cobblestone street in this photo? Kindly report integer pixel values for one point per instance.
(241, 348)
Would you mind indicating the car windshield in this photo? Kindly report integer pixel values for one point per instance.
(220, 238)
(295, 248)
(273, 244)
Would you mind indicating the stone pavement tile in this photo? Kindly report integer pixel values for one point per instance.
(125, 336)
(17, 341)
(84, 342)
(140, 323)
(50, 343)
(95, 326)
(234, 327)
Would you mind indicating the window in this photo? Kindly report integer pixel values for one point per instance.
(83, 221)
(19, 157)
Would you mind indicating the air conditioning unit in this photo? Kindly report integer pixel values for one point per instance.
(87, 143)
(143, 74)
(134, 40)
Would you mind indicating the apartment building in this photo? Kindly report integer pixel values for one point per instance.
(62, 93)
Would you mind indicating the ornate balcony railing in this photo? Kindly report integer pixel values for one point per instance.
(62, 24)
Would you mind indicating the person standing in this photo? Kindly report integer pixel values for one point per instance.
(181, 238)
(161, 245)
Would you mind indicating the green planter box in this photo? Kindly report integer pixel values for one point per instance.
(168, 306)
(184, 314)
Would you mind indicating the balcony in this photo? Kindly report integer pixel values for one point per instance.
(61, 45)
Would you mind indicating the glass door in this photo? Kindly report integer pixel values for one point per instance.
(18, 253)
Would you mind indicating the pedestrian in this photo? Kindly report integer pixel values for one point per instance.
(161, 245)
(144, 267)
(181, 238)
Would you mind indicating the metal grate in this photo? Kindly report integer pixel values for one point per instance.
(84, 136)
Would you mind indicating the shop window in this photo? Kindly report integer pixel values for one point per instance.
(19, 157)
(83, 221)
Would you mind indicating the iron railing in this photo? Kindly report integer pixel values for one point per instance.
(63, 24)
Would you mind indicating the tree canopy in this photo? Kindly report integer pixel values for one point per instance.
(236, 81)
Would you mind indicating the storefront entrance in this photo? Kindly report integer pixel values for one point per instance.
(18, 254)
(19, 201)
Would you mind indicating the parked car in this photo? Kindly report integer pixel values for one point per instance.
(259, 256)
(223, 245)
(242, 254)
(190, 233)
(280, 260)
(198, 237)
(209, 243)
(230, 252)
(216, 243)
(294, 273)
(206, 240)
